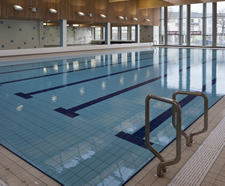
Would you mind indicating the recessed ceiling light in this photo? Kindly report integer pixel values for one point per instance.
(75, 25)
(80, 13)
(135, 19)
(120, 17)
(102, 16)
(17, 7)
(148, 20)
(53, 11)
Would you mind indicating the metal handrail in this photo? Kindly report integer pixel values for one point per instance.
(189, 139)
(162, 166)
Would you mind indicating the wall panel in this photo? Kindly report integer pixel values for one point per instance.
(67, 9)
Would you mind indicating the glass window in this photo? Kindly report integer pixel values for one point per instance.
(220, 23)
(133, 33)
(209, 24)
(103, 33)
(196, 26)
(184, 27)
(97, 33)
(161, 29)
(124, 33)
(173, 25)
(114, 33)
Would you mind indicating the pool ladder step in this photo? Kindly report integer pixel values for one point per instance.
(176, 108)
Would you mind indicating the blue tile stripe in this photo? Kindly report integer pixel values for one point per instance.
(137, 137)
(28, 95)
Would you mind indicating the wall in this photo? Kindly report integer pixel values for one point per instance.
(17, 34)
(75, 35)
(146, 34)
(67, 9)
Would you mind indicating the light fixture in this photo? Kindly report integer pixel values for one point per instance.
(34, 9)
(44, 24)
(135, 19)
(148, 20)
(17, 7)
(75, 25)
(125, 18)
(67, 25)
(102, 16)
(93, 26)
(80, 13)
(90, 14)
(53, 11)
(120, 17)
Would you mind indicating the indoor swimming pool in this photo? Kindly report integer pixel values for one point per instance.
(81, 120)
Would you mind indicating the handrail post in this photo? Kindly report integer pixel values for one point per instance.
(162, 166)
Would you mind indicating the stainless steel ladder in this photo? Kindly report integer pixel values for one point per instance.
(162, 166)
(189, 138)
(175, 108)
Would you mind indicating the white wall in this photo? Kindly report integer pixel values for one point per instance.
(75, 35)
(146, 34)
(17, 34)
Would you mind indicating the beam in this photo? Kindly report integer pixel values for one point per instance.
(143, 4)
(186, 2)
(112, 1)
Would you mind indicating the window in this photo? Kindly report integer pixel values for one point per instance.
(220, 23)
(133, 33)
(97, 33)
(114, 33)
(124, 33)
(192, 20)
(196, 33)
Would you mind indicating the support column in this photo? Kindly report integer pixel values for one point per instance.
(204, 25)
(214, 26)
(137, 33)
(165, 26)
(63, 33)
(181, 25)
(107, 33)
(188, 25)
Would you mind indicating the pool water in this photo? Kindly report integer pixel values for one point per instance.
(81, 120)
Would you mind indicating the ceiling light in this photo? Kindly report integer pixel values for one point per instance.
(135, 19)
(80, 13)
(17, 7)
(120, 17)
(44, 24)
(75, 25)
(90, 14)
(53, 11)
(102, 16)
(67, 25)
(148, 20)
(93, 26)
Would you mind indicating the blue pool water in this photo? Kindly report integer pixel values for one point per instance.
(81, 120)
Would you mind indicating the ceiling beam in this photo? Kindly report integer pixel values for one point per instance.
(112, 1)
(143, 4)
(186, 2)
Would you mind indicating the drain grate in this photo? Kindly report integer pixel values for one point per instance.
(196, 168)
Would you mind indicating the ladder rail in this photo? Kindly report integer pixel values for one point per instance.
(162, 166)
(205, 128)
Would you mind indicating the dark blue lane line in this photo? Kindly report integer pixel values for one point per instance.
(137, 137)
(28, 95)
(71, 71)
(70, 112)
